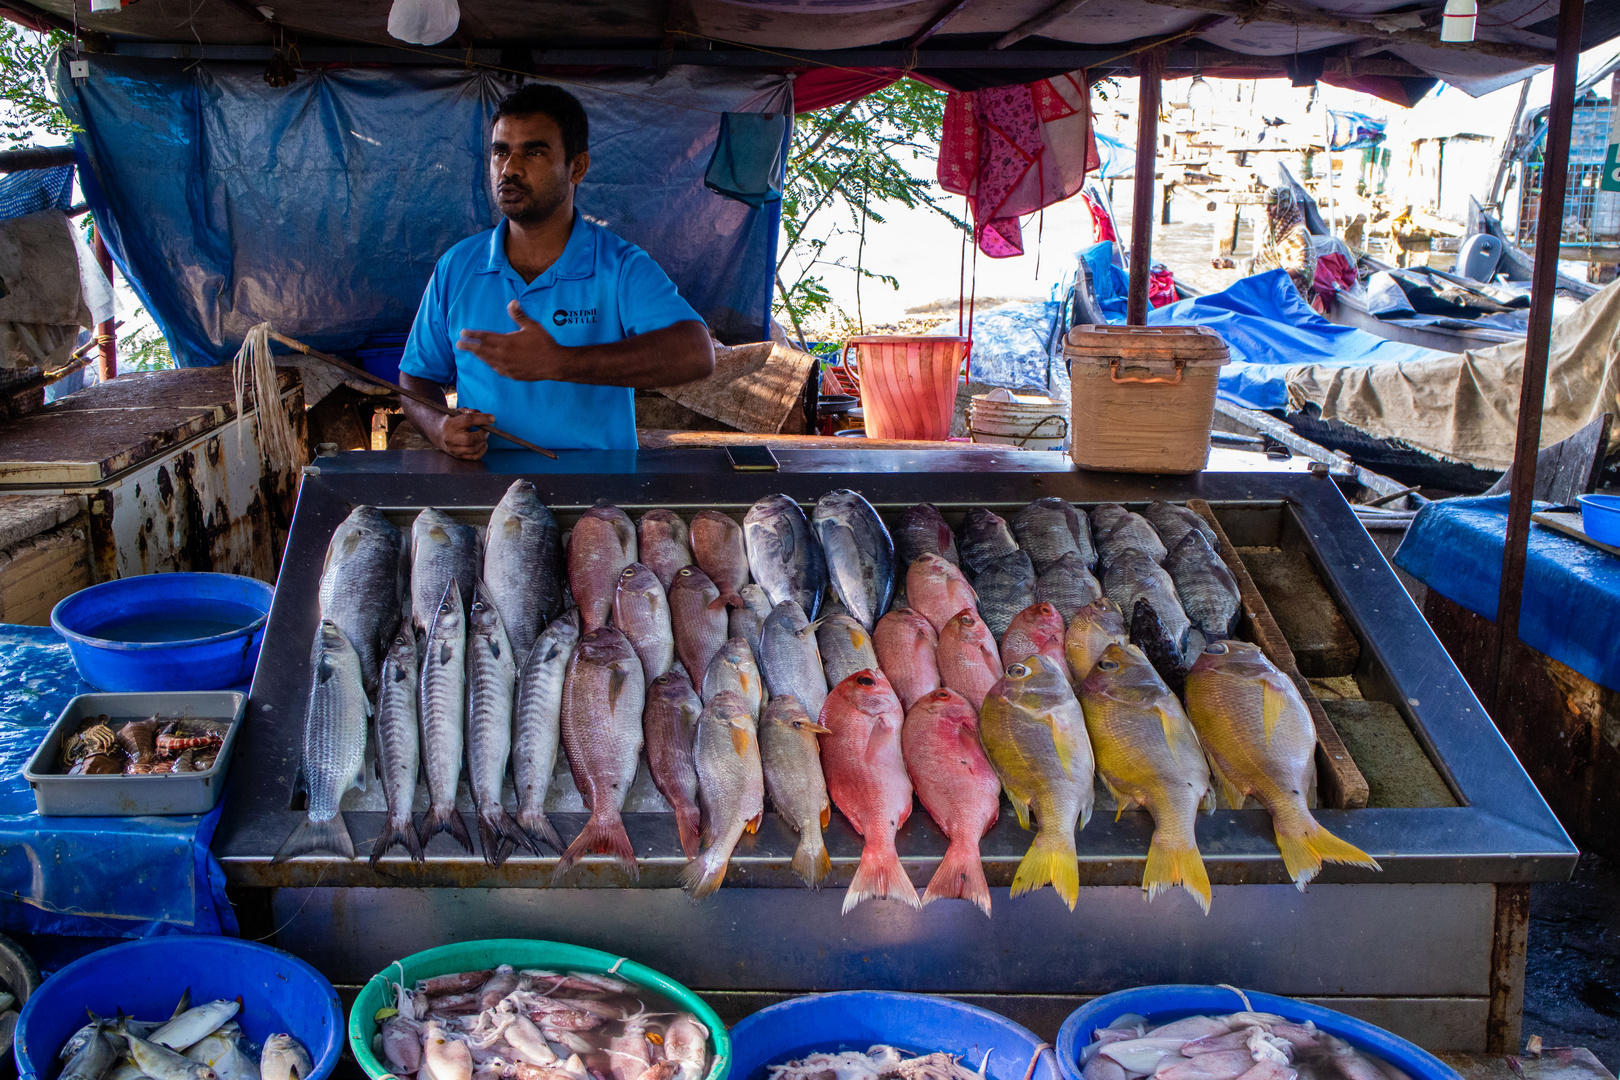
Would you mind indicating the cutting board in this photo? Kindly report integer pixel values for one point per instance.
(1569, 523)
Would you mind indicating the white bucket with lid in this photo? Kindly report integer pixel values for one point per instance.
(1028, 421)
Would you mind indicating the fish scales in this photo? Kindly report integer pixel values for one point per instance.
(700, 627)
(603, 697)
(1136, 575)
(334, 745)
(967, 657)
(791, 756)
(1207, 589)
(663, 544)
(1038, 629)
(845, 648)
(641, 611)
(784, 554)
(905, 643)
(491, 687)
(1050, 528)
(985, 537)
(523, 565)
(1126, 534)
(938, 590)
(731, 781)
(734, 669)
(789, 658)
(1149, 635)
(399, 745)
(957, 786)
(922, 530)
(1005, 586)
(442, 710)
(1173, 522)
(1094, 627)
(1067, 585)
(747, 621)
(360, 586)
(536, 724)
(859, 554)
(602, 544)
(442, 548)
(718, 548)
(669, 722)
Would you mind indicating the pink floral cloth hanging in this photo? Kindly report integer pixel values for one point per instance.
(1013, 150)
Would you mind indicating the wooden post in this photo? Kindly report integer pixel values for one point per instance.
(107, 365)
(1149, 70)
(1537, 342)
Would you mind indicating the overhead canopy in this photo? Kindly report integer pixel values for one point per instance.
(1362, 43)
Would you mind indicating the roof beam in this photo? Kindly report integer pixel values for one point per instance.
(35, 157)
(1261, 11)
(951, 10)
(1040, 22)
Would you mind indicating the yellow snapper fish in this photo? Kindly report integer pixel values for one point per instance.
(1035, 736)
(1094, 627)
(1148, 754)
(1261, 741)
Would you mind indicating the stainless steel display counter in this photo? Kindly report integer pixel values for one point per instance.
(1432, 947)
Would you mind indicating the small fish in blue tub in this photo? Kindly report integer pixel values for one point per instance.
(284, 1058)
(1238, 1046)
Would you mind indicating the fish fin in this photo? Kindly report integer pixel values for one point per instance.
(960, 877)
(740, 740)
(811, 861)
(1065, 745)
(826, 815)
(179, 1007)
(880, 876)
(1233, 794)
(1209, 800)
(727, 600)
(1274, 701)
(1020, 809)
(537, 825)
(686, 824)
(1304, 853)
(393, 833)
(752, 824)
(438, 534)
(1169, 865)
(1122, 801)
(1171, 729)
(702, 879)
(446, 819)
(616, 680)
(600, 836)
(500, 835)
(310, 836)
(1051, 860)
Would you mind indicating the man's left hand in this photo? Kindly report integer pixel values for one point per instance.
(529, 353)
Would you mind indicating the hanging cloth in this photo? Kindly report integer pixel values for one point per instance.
(747, 160)
(1013, 150)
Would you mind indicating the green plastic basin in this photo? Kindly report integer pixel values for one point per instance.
(520, 953)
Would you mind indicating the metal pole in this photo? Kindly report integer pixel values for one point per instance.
(107, 365)
(1538, 339)
(1149, 70)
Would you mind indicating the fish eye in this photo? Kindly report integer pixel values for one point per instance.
(478, 605)
(629, 572)
(1217, 648)
(444, 608)
(1108, 665)
(866, 680)
(1018, 671)
(685, 571)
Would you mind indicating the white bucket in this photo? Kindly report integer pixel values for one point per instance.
(1029, 421)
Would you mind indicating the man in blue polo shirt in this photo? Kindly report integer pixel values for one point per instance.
(594, 316)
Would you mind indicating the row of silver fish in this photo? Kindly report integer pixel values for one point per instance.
(204, 1042)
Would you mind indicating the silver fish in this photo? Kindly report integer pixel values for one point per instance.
(537, 724)
(442, 711)
(789, 658)
(784, 553)
(792, 761)
(747, 621)
(1205, 585)
(284, 1058)
(221, 1053)
(360, 585)
(1005, 586)
(1135, 575)
(1049, 528)
(985, 538)
(859, 552)
(441, 548)
(641, 611)
(195, 1023)
(734, 668)
(334, 745)
(731, 782)
(922, 530)
(1129, 533)
(664, 544)
(1067, 585)
(95, 1057)
(1174, 522)
(491, 682)
(523, 572)
(399, 745)
(161, 1063)
(845, 647)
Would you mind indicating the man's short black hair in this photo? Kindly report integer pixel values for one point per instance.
(556, 103)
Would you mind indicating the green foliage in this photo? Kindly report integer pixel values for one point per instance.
(28, 98)
(846, 164)
(147, 351)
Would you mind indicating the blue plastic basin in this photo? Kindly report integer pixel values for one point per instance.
(859, 1019)
(1162, 1004)
(279, 992)
(1600, 518)
(166, 631)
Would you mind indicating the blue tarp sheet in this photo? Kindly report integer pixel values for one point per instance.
(322, 206)
(89, 877)
(1455, 548)
(32, 190)
(1269, 329)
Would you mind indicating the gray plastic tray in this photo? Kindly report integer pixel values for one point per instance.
(57, 794)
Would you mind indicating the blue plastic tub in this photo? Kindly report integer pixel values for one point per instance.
(1162, 1004)
(859, 1019)
(166, 631)
(279, 992)
(1600, 518)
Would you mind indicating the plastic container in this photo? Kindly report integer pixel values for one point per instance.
(1600, 518)
(279, 992)
(1028, 421)
(858, 1019)
(57, 794)
(520, 953)
(1162, 1004)
(1143, 396)
(171, 605)
(908, 384)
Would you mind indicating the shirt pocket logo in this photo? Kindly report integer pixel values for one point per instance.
(573, 316)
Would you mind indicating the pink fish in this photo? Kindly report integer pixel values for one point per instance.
(602, 545)
(1035, 631)
(718, 547)
(968, 662)
(957, 786)
(936, 588)
(905, 644)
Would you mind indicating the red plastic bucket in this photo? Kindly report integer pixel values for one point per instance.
(908, 384)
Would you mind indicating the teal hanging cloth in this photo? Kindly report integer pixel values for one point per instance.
(748, 157)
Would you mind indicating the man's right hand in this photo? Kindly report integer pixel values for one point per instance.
(457, 438)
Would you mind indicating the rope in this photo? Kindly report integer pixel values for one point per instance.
(277, 441)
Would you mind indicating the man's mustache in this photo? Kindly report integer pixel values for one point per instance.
(512, 185)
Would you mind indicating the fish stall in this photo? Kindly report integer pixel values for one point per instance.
(1418, 852)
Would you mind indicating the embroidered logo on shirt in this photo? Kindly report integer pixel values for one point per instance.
(566, 316)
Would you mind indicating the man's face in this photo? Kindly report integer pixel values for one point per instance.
(529, 175)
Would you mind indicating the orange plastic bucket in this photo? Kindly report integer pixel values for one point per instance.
(908, 384)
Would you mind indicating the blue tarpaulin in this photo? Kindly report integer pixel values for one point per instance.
(1269, 328)
(89, 877)
(1455, 548)
(32, 190)
(323, 206)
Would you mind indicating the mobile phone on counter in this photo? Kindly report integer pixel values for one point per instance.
(752, 458)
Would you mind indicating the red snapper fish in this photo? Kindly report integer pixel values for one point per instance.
(958, 788)
(603, 543)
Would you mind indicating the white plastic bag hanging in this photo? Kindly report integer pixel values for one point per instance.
(423, 22)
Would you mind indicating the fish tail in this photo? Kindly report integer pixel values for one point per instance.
(1175, 862)
(703, 875)
(602, 835)
(1307, 846)
(440, 819)
(1051, 860)
(687, 823)
(499, 835)
(811, 861)
(537, 825)
(880, 875)
(960, 877)
(310, 836)
(397, 832)
(727, 600)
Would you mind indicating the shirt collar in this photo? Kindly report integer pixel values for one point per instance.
(578, 258)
